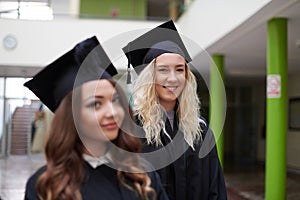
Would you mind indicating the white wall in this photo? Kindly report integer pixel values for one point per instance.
(213, 19)
(40, 42)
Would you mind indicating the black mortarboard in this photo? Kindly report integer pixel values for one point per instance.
(162, 39)
(85, 62)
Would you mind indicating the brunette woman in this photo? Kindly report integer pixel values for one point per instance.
(91, 150)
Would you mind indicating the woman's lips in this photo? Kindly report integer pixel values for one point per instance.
(110, 126)
(170, 88)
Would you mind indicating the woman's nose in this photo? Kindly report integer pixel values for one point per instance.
(109, 110)
(172, 76)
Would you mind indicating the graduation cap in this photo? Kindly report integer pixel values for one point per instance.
(87, 61)
(162, 39)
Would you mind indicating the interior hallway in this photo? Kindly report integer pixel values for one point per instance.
(14, 172)
(243, 183)
(247, 182)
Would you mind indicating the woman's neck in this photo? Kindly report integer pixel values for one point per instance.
(95, 149)
(167, 105)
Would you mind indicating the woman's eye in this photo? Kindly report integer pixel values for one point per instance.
(180, 70)
(116, 100)
(94, 105)
(163, 70)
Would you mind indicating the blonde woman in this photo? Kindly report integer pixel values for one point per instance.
(167, 106)
(90, 134)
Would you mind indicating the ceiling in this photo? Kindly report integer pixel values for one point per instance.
(244, 48)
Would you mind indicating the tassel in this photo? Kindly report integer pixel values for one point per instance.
(128, 74)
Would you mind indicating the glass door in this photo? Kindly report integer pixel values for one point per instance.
(14, 127)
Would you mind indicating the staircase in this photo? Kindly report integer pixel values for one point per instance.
(21, 129)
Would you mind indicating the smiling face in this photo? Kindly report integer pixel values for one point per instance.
(170, 77)
(101, 113)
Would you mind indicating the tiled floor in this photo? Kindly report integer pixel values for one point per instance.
(243, 184)
(14, 173)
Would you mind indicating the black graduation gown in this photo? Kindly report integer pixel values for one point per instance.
(190, 177)
(101, 183)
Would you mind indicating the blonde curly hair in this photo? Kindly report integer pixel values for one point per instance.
(150, 112)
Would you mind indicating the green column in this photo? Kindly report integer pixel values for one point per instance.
(217, 99)
(276, 109)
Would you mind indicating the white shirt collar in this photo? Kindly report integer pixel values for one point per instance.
(97, 161)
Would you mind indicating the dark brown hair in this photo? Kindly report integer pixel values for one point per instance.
(65, 165)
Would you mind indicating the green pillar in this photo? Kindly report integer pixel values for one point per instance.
(217, 99)
(276, 110)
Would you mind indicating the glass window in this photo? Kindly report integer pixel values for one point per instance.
(15, 88)
(34, 9)
(28, 94)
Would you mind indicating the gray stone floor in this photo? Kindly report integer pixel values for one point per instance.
(241, 184)
(248, 183)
